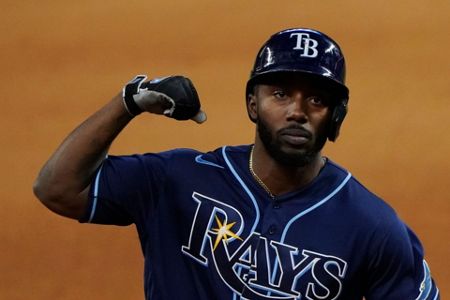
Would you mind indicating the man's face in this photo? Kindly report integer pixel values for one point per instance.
(292, 113)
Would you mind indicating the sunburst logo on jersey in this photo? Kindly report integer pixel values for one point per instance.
(223, 232)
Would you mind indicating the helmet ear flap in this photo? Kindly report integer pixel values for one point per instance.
(337, 117)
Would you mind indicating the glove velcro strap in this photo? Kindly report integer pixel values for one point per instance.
(131, 89)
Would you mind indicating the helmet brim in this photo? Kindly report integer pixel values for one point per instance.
(321, 75)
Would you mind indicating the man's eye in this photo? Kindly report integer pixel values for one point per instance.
(279, 94)
(317, 101)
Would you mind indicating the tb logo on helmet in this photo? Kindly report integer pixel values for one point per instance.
(305, 43)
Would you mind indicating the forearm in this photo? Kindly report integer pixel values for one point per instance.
(63, 182)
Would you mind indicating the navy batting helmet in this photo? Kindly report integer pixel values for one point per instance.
(309, 52)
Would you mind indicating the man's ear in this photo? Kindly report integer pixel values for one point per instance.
(251, 107)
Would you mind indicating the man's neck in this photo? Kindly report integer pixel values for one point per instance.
(280, 179)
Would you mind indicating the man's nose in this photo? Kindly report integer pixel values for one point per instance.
(297, 108)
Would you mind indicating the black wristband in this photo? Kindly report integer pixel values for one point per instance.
(131, 89)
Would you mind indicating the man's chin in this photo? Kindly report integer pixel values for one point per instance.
(294, 157)
(295, 149)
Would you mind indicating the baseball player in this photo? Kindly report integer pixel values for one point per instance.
(271, 220)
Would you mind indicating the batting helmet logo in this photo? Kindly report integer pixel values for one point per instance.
(305, 43)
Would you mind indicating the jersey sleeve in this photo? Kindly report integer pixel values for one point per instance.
(125, 188)
(397, 269)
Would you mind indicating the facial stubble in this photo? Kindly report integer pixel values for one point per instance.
(300, 158)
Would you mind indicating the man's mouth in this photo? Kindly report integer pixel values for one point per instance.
(295, 135)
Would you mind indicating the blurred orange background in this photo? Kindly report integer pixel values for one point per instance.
(62, 60)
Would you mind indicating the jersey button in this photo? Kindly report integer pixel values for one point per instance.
(276, 205)
(272, 229)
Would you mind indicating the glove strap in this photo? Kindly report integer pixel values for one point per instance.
(132, 88)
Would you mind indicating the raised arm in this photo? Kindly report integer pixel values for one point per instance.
(63, 182)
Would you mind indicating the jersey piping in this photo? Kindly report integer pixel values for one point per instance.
(321, 202)
(244, 186)
(306, 211)
(426, 284)
(247, 190)
(202, 161)
(95, 196)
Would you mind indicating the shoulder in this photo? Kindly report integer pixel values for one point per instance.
(187, 158)
(224, 155)
(364, 205)
(190, 153)
(164, 157)
(383, 230)
(179, 158)
(177, 153)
